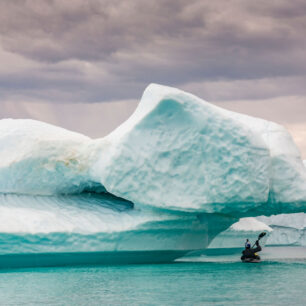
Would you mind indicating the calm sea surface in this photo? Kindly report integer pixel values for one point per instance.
(278, 282)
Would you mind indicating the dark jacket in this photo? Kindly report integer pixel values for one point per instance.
(250, 253)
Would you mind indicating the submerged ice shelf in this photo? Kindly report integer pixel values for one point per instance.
(177, 173)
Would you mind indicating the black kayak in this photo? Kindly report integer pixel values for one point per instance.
(251, 260)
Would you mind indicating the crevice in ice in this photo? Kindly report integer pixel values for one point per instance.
(99, 191)
(108, 197)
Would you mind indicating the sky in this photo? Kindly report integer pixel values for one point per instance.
(84, 64)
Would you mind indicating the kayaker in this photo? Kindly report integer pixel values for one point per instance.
(251, 252)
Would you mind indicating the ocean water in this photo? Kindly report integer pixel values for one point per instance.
(191, 282)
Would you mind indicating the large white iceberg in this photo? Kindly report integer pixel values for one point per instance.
(183, 171)
(175, 152)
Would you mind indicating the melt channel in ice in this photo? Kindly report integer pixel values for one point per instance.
(177, 173)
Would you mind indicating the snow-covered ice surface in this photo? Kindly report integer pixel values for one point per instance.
(288, 229)
(181, 169)
(40, 159)
(250, 225)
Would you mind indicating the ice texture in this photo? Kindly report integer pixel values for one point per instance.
(40, 159)
(288, 229)
(179, 152)
(177, 173)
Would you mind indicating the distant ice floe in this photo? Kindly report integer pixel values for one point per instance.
(236, 235)
(288, 229)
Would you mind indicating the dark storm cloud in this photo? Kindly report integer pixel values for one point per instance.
(104, 50)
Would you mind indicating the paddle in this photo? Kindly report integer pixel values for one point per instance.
(263, 234)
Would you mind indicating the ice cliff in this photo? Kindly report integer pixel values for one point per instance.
(174, 175)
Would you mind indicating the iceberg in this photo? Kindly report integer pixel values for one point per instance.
(167, 181)
(288, 229)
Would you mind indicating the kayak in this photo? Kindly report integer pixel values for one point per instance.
(251, 260)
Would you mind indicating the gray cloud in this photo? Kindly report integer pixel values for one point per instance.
(77, 51)
(256, 89)
(95, 119)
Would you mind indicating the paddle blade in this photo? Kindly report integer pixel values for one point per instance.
(262, 235)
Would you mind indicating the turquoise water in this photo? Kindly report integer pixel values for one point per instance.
(186, 283)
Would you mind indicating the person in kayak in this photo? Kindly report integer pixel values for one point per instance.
(251, 252)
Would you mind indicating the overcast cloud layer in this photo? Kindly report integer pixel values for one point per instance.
(75, 51)
(89, 51)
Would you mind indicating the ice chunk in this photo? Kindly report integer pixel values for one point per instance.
(250, 225)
